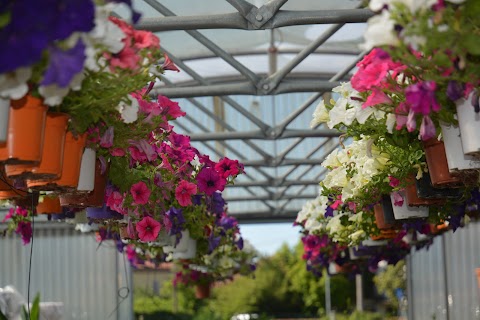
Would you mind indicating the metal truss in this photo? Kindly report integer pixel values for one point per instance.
(296, 178)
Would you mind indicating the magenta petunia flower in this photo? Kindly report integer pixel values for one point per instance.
(376, 97)
(421, 97)
(394, 182)
(209, 181)
(169, 65)
(24, 229)
(184, 192)
(397, 199)
(148, 229)
(227, 167)
(170, 108)
(140, 193)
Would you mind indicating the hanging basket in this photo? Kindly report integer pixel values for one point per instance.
(456, 158)
(96, 198)
(52, 152)
(202, 290)
(438, 165)
(26, 124)
(4, 112)
(186, 248)
(469, 124)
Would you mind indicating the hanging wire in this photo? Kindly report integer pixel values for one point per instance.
(122, 292)
(3, 177)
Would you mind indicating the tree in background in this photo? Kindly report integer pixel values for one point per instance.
(281, 287)
(389, 281)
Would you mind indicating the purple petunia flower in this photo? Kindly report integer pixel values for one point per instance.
(421, 97)
(64, 65)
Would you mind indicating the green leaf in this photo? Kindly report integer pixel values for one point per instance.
(35, 311)
(4, 20)
(471, 43)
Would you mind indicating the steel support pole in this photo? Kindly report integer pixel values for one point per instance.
(257, 134)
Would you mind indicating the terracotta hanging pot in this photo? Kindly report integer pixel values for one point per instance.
(383, 211)
(477, 273)
(438, 165)
(72, 156)
(52, 153)
(50, 204)
(384, 235)
(202, 290)
(95, 198)
(469, 124)
(26, 124)
(438, 228)
(416, 191)
(11, 194)
(4, 112)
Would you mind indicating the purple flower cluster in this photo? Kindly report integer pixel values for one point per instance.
(175, 222)
(35, 25)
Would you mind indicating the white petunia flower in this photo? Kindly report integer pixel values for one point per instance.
(53, 94)
(13, 85)
(320, 115)
(380, 31)
(129, 112)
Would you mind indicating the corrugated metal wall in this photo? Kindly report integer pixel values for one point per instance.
(442, 282)
(68, 267)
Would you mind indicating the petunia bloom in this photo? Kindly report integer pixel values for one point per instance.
(148, 229)
(107, 139)
(24, 229)
(210, 181)
(140, 193)
(421, 97)
(227, 167)
(184, 192)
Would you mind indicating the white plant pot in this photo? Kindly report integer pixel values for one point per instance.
(185, 249)
(469, 124)
(456, 158)
(4, 114)
(190, 253)
(407, 212)
(86, 181)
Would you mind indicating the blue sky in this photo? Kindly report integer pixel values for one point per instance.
(269, 237)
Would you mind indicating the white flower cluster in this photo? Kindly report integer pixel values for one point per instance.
(381, 27)
(315, 222)
(352, 168)
(346, 109)
(313, 214)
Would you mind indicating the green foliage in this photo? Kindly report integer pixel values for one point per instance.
(34, 310)
(392, 278)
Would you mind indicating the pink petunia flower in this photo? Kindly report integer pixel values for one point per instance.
(145, 39)
(397, 199)
(227, 167)
(148, 229)
(394, 182)
(125, 59)
(427, 129)
(107, 139)
(209, 181)
(117, 152)
(184, 192)
(170, 108)
(376, 97)
(140, 193)
(169, 65)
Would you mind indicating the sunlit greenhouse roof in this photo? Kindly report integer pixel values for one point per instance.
(252, 73)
